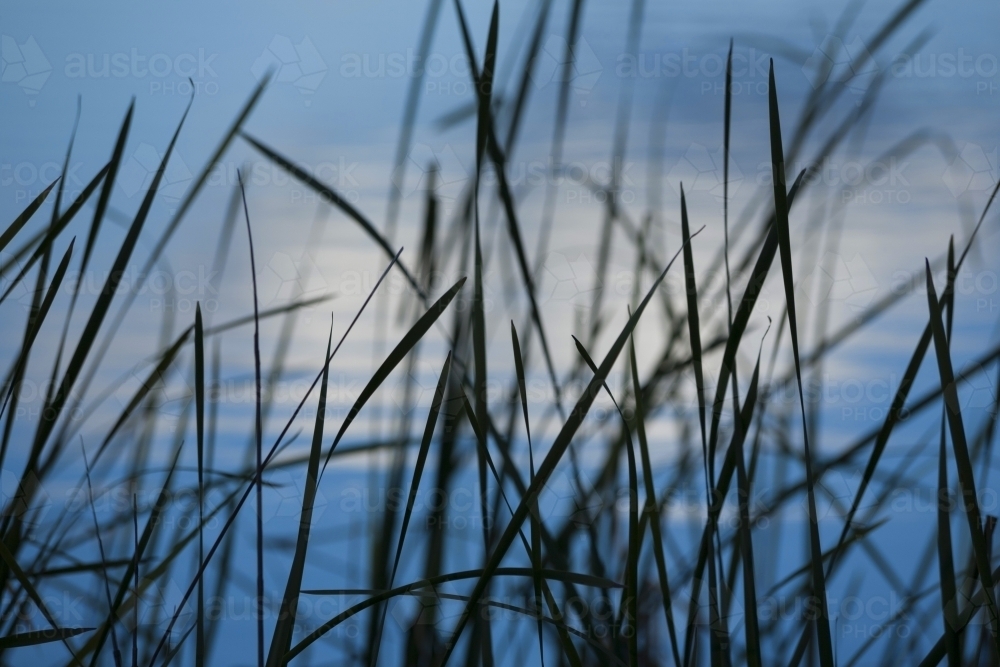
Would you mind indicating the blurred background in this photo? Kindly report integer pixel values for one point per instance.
(891, 108)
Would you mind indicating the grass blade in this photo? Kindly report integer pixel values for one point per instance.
(485, 86)
(418, 471)
(520, 100)
(946, 563)
(47, 235)
(36, 637)
(482, 636)
(135, 590)
(536, 538)
(34, 325)
(479, 327)
(258, 436)
(631, 600)
(105, 197)
(199, 394)
(652, 508)
(421, 461)
(415, 333)
(382, 596)
(751, 624)
(742, 318)
(282, 638)
(413, 95)
(104, 567)
(966, 477)
(726, 123)
(488, 139)
(329, 195)
(785, 247)
(265, 314)
(694, 336)
(22, 219)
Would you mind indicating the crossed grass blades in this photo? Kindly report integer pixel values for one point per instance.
(669, 602)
